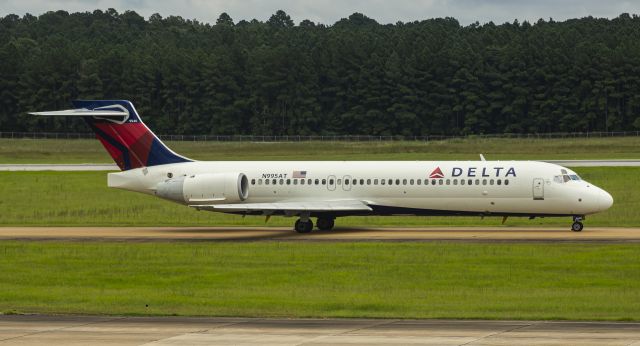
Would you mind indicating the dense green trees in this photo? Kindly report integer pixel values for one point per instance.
(353, 77)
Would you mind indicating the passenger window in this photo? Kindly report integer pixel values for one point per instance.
(382, 181)
(324, 181)
(390, 181)
(361, 181)
(339, 181)
(484, 181)
(491, 182)
(404, 181)
(506, 181)
(448, 181)
(301, 181)
(461, 181)
(455, 181)
(259, 181)
(317, 181)
(440, 181)
(355, 181)
(470, 182)
(288, 181)
(266, 181)
(346, 181)
(499, 182)
(309, 182)
(375, 181)
(295, 181)
(368, 181)
(274, 182)
(418, 181)
(477, 181)
(433, 182)
(253, 181)
(397, 181)
(330, 181)
(411, 182)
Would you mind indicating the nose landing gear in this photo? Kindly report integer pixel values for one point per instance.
(577, 224)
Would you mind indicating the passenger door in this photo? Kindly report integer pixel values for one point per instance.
(538, 189)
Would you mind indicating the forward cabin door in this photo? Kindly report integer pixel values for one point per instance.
(538, 189)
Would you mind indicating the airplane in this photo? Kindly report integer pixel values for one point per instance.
(326, 190)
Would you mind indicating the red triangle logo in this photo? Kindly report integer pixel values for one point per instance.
(437, 173)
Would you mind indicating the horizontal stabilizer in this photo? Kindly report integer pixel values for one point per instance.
(81, 112)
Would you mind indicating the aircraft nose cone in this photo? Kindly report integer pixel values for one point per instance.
(606, 201)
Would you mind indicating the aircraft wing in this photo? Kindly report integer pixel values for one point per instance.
(289, 208)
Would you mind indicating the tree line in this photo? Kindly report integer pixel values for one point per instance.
(353, 77)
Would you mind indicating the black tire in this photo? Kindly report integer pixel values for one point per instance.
(303, 226)
(325, 224)
(577, 226)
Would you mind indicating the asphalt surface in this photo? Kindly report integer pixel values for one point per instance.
(466, 234)
(95, 330)
(113, 167)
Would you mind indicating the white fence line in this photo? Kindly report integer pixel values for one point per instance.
(329, 138)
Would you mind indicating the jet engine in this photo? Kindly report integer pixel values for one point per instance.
(207, 188)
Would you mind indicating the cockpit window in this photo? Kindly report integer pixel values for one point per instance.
(564, 178)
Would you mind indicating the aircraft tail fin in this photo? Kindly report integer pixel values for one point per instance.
(121, 131)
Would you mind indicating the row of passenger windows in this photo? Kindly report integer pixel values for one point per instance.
(381, 181)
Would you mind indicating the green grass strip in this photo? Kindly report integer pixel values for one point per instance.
(292, 279)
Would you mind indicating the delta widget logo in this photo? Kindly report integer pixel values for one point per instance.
(436, 174)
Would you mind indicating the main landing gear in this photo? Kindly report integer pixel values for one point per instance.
(577, 224)
(305, 225)
(325, 223)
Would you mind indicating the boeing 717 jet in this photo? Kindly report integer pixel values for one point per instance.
(326, 190)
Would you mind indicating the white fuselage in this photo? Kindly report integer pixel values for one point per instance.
(526, 188)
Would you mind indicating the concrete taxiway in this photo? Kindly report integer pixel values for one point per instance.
(473, 234)
(93, 330)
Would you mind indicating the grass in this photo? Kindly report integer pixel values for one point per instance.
(374, 279)
(82, 199)
(91, 151)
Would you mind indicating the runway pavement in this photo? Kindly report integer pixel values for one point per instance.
(96, 330)
(467, 234)
(113, 167)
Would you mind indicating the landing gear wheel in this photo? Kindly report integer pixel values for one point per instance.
(325, 224)
(577, 226)
(303, 226)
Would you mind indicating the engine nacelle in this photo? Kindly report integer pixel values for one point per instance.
(207, 188)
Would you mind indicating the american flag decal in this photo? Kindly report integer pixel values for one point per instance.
(299, 174)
